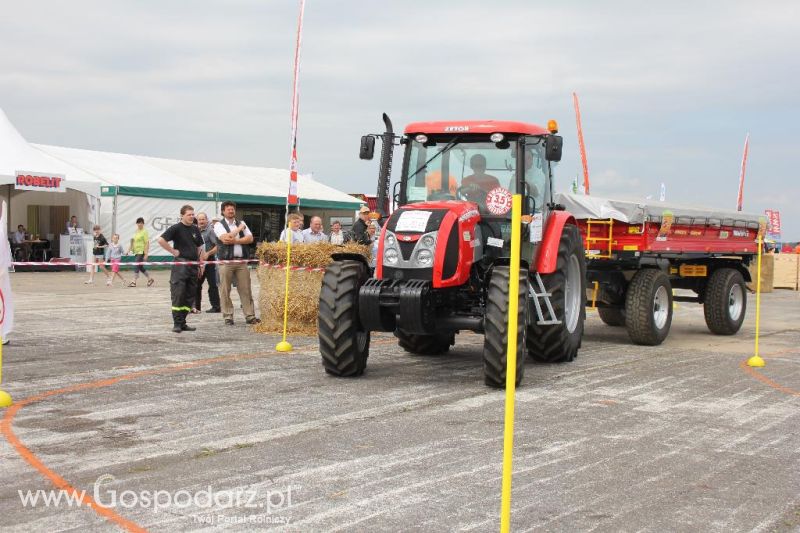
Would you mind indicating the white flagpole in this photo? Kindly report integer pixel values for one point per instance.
(292, 197)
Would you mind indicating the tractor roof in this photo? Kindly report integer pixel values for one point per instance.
(476, 126)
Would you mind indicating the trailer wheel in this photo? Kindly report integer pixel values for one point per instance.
(612, 316)
(725, 301)
(343, 343)
(496, 327)
(559, 343)
(648, 307)
(435, 344)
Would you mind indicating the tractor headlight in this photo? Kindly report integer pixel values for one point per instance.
(390, 240)
(425, 257)
(427, 241)
(390, 256)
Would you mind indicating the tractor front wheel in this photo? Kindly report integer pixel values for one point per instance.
(559, 343)
(496, 327)
(343, 343)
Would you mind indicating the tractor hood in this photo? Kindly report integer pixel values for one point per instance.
(430, 241)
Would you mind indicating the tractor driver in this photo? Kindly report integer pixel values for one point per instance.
(476, 185)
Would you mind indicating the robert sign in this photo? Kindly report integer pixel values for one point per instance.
(32, 181)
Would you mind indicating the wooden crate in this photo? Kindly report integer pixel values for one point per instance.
(787, 275)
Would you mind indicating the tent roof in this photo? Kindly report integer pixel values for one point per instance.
(16, 154)
(157, 177)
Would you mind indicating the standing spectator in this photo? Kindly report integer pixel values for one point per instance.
(233, 243)
(210, 272)
(20, 236)
(314, 231)
(295, 223)
(99, 254)
(140, 247)
(359, 233)
(115, 253)
(337, 235)
(187, 245)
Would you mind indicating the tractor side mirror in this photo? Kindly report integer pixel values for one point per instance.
(367, 150)
(553, 147)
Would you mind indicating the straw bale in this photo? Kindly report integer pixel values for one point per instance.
(314, 255)
(304, 286)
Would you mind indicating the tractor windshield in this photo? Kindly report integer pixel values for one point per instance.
(479, 171)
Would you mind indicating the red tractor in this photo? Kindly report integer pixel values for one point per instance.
(443, 256)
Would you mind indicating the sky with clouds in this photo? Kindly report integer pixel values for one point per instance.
(668, 91)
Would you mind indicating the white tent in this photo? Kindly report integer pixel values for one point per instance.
(118, 188)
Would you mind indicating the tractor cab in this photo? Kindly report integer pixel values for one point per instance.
(483, 163)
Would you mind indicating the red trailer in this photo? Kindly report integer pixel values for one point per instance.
(637, 252)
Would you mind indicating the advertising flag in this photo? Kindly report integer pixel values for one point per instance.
(293, 198)
(740, 196)
(773, 224)
(581, 145)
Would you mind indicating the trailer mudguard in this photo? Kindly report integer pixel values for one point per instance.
(548, 248)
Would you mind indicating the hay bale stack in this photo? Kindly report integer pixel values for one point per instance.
(304, 286)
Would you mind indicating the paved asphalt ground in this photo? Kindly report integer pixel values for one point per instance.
(679, 437)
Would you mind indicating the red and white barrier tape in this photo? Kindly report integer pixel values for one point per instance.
(168, 263)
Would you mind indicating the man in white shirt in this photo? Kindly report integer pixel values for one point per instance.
(314, 233)
(234, 243)
(337, 235)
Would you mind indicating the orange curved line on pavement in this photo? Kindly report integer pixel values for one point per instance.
(767, 381)
(7, 431)
(60, 482)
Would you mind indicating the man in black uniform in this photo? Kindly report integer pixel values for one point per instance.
(188, 246)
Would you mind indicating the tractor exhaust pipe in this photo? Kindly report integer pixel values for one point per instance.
(385, 172)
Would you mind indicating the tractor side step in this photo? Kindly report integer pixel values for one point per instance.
(543, 295)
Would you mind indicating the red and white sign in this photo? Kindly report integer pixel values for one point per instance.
(498, 201)
(34, 181)
(773, 223)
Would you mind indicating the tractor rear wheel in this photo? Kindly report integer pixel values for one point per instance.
(435, 344)
(648, 307)
(612, 316)
(496, 327)
(343, 343)
(559, 343)
(725, 301)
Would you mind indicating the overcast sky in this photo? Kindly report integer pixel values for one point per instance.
(668, 91)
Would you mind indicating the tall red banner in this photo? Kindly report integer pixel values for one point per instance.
(580, 143)
(292, 198)
(741, 175)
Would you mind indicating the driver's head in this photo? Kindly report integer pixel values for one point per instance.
(478, 163)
